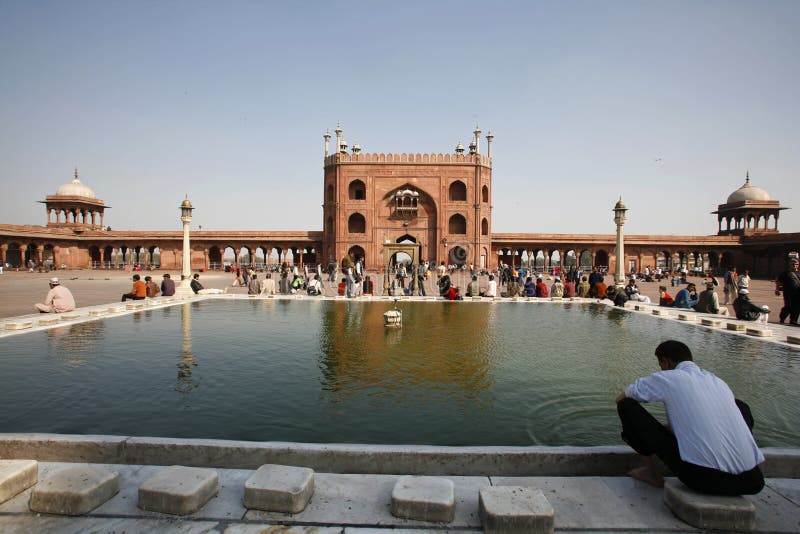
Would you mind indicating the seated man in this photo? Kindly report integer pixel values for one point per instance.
(491, 289)
(58, 300)
(541, 288)
(617, 296)
(707, 444)
(198, 288)
(530, 288)
(138, 291)
(746, 310)
(474, 287)
(314, 286)
(686, 297)
(444, 285)
(167, 286)
(708, 300)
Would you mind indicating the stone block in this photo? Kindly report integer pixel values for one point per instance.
(709, 511)
(46, 321)
(476, 298)
(659, 311)
(689, 317)
(17, 476)
(759, 332)
(424, 498)
(178, 490)
(19, 325)
(511, 509)
(279, 488)
(134, 306)
(639, 307)
(70, 316)
(75, 490)
(554, 299)
(735, 327)
(97, 313)
(716, 323)
(116, 309)
(794, 340)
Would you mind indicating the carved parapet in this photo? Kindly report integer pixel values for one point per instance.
(428, 159)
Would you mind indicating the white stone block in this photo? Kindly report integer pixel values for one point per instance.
(709, 511)
(178, 490)
(16, 476)
(46, 321)
(716, 323)
(735, 327)
(759, 332)
(19, 325)
(75, 490)
(688, 317)
(424, 498)
(794, 340)
(97, 313)
(279, 488)
(134, 306)
(514, 509)
(661, 312)
(70, 316)
(116, 309)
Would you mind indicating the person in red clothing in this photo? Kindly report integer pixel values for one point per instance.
(138, 292)
(340, 290)
(453, 294)
(541, 289)
(600, 289)
(664, 298)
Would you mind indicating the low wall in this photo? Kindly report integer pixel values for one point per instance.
(349, 458)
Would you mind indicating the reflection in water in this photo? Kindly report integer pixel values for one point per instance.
(71, 344)
(187, 361)
(432, 353)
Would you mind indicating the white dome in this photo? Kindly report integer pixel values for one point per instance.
(75, 189)
(748, 192)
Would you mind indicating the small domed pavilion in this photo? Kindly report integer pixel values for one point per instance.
(75, 206)
(748, 211)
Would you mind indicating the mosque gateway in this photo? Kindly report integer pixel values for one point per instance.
(398, 207)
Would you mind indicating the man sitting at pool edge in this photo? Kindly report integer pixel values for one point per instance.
(708, 443)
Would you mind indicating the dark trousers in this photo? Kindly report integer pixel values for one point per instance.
(647, 436)
(421, 285)
(126, 296)
(791, 307)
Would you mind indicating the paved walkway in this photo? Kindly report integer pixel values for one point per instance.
(360, 504)
(20, 290)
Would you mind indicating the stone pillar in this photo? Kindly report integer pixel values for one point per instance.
(300, 253)
(3, 250)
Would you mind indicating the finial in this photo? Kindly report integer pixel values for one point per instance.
(76, 172)
(327, 134)
(747, 177)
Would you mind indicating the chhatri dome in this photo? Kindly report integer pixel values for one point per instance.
(75, 206)
(748, 192)
(75, 188)
(748, 210)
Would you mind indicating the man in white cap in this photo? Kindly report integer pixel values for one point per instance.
(58, 300)
(747, 310)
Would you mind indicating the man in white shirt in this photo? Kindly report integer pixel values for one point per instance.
(491, 290)
(708, 443)
(58, 300)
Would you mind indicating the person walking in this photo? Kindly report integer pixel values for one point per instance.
(788, 283)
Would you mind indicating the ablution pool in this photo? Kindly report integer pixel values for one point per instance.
(500, 373)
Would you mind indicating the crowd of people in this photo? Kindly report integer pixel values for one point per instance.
(406, 279)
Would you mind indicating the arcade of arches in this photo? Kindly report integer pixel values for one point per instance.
(438, 205)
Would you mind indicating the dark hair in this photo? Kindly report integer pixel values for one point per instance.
(673, 351)
(148, 278)
(136, 277)
(196, 276)
(474, 277)
(166, 275)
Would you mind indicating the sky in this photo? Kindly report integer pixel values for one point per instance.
(665, 104)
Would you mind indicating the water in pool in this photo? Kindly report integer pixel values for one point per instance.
(328, 371)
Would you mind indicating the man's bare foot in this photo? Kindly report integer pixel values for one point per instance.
(647, 475)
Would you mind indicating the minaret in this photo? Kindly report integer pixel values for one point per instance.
(327, 138)
(489, 139)
(477, 133)
(338, 132)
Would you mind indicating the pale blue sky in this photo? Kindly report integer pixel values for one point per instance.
(228, 101)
